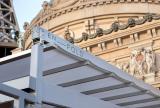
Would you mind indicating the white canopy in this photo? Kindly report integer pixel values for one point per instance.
(73, 77)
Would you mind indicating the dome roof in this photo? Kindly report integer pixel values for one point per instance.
(86, 15)
(64, 11)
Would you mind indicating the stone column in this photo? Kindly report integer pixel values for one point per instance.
(136, 37)
(119, 41)
(154, 32)
(103, 46)
(115, 42)
(149, 33)
(100, 47)
(131, 38)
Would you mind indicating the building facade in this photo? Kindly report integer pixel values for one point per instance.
(125, 33)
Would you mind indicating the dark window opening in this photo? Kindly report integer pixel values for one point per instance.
(5, 51)
(6, 104)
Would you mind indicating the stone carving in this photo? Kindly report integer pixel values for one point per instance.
(149, 17)
(124, 66)
(131, 22)
(142, 61)
(26, 26)
(99, 32)
(118, 65)
(69, 35)
(132, 63)
(116, 26)
(150, 61)
(20, 41)
(85, 36)
(139, 62)
(45, 5)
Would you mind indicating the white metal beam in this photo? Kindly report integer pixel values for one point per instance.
(36, 71)
(85, 80)
(12, 92)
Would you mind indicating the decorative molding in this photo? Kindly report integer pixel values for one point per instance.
(110, 37)
(116, 26)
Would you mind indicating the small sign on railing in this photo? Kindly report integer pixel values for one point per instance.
(41, 34)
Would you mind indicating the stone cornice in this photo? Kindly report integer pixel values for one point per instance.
(124, 47)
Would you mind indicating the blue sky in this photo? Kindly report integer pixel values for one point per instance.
(26, 10)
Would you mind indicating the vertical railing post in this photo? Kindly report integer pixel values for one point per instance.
(36, 71)
(19, 103)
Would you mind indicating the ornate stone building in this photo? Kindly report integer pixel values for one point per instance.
(125, 33)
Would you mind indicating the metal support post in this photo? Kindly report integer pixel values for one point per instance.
(36, 71)
(19, 103)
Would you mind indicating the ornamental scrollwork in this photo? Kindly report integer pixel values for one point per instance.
(116, 26)
(99, 32)
(131, 22)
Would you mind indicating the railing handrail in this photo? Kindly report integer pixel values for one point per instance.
(15, 93)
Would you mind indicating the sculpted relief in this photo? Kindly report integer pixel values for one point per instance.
(142, 62)
(69, 35)
(137, 62)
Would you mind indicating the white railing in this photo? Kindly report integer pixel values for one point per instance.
(21, 98)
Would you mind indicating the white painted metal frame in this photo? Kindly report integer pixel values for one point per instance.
(20, 97)
(128, 83)
(44, 90)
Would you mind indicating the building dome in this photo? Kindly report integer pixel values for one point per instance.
(81, 16)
